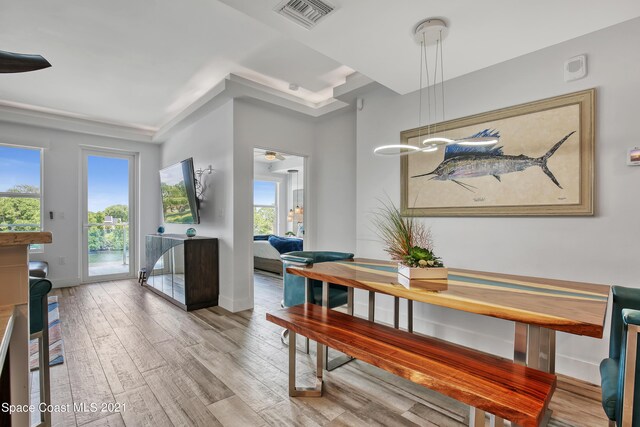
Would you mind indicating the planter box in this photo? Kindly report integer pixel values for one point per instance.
(433, 285)
(423, 273)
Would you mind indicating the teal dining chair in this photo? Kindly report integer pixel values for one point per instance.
(294, 291)
(294, 285)
(39, 289)
(620, 390)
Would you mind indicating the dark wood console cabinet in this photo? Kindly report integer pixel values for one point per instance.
(183, 270)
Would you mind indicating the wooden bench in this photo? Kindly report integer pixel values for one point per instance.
(488, 383)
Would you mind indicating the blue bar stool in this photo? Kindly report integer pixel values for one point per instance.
(39, 328)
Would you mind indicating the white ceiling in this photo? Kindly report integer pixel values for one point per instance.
(375, 37)
(141, 63)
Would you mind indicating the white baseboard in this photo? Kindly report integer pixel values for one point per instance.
(576, 368)
(235, 305)
(64, 282)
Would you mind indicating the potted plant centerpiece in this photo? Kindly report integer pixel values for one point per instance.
(410, 243)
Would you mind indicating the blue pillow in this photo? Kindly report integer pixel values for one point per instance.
(262, 237)
(285, 244)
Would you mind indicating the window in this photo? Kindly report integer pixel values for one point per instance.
(265, 207)
(20, 195)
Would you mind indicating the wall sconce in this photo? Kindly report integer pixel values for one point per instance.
(199, 172)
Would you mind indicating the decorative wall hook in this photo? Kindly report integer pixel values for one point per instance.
(201, 171)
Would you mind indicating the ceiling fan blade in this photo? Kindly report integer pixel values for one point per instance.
(279, 157)
(20, 63)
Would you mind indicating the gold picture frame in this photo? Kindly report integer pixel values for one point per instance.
(543, 164)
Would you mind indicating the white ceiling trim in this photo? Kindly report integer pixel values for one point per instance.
(231, 87)
(239, 87)
(62, 120)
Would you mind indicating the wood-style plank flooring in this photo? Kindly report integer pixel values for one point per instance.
(210, 367)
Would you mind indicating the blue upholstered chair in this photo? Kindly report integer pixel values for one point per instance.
(294, 285)
(617, 383)
(39, 329)
(294, 290)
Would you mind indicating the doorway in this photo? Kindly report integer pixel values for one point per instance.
(278, 208)
(108, 225)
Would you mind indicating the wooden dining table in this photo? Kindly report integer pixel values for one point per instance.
(539, 307)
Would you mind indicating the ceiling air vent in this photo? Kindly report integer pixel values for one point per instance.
(304, 12)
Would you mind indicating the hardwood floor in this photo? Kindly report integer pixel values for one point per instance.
(210, 367)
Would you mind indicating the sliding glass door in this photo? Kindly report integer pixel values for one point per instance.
(108, 229)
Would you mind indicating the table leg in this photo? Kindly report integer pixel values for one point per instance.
(535, 347)
(325, 295)
(308, 292)
(323, 357)
(520, 342)
(372, 306)
(396, 312)
(410, 315)
(350, 301)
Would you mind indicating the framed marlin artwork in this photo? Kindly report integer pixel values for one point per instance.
(543, 163)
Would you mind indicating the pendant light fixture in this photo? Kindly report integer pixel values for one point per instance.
(290, 214)
(295, 214)
(431, 32)
(299, 211)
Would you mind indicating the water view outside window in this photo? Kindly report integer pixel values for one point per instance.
(108, 215)
(20, 196)
(265, 207)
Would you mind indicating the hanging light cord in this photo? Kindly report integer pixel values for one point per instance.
(441, 74)
(426, 67)
(420, 97)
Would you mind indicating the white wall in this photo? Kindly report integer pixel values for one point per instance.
(62, 192)
(210, 142)
(600, 249)
(258, 125)
(335, 175)
(226, 138)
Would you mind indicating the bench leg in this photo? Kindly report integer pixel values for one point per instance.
(495, 421)
(476, 417)
(303, 391)
(410, 315)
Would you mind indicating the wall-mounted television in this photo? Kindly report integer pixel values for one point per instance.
(180, 204)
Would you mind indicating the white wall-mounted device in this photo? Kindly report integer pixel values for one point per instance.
(633, 156)
(575, 68)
